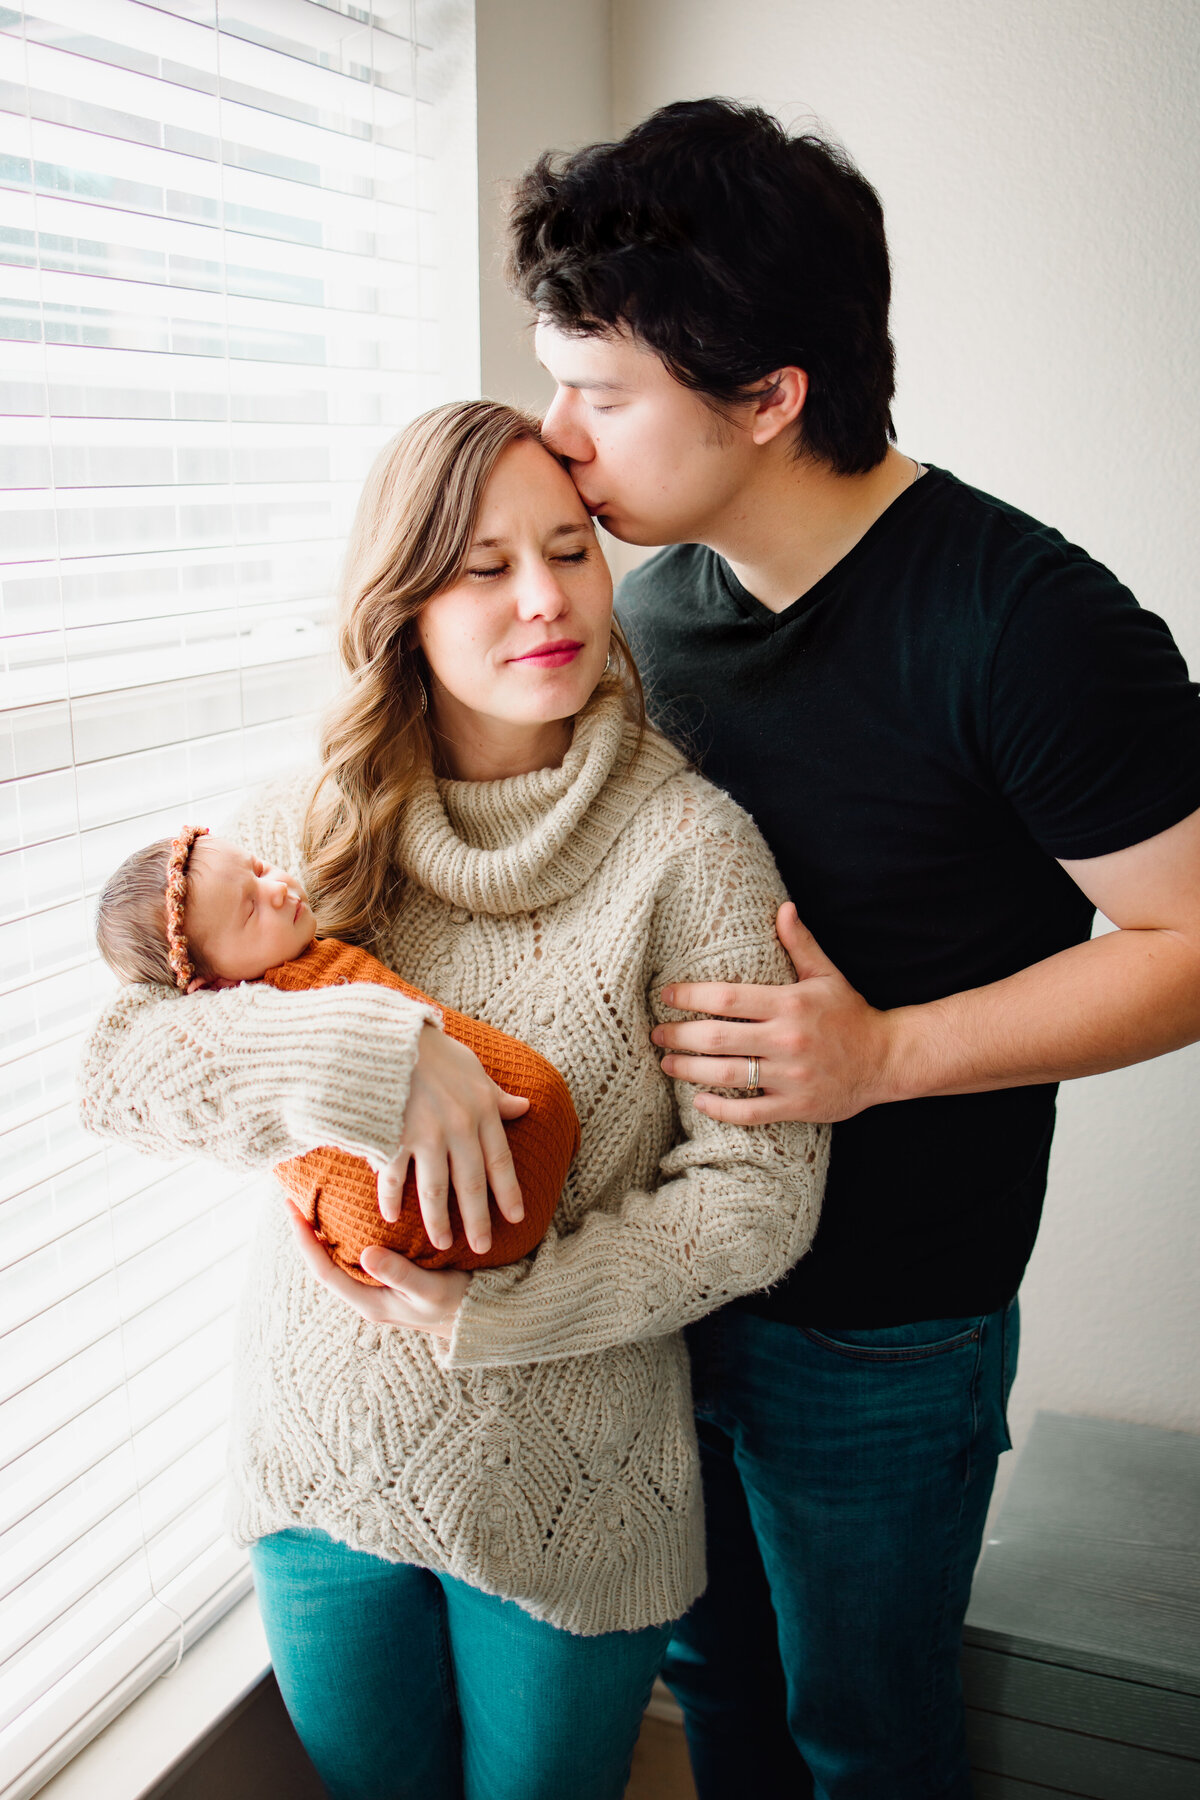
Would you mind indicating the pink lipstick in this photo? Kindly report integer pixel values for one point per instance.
(555, 655)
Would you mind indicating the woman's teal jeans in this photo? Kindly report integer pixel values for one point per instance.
(405, 1685)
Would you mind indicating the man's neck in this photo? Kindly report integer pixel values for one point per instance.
(799, 519)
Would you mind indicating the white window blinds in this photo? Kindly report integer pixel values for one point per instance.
(224, 231)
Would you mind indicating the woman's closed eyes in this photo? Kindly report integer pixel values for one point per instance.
(570, 556)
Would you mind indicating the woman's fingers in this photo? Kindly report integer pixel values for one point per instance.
(472, 1166)
(511, 1106)
(389, 1184)
(454, 1113)
(470, 1190)
(421, 1299)
(499, 1165)
(322, 1265)
(417, 1299)
(433, 1194)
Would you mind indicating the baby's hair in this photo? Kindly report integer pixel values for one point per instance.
(131, 920)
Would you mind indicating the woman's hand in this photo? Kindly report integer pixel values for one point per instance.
(454, 1132)
(418, 1299)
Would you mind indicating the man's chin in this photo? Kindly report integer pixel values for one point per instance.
(626, 531)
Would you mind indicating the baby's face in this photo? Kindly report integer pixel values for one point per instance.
(242, 917)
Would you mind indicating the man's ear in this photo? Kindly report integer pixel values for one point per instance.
(779, 404)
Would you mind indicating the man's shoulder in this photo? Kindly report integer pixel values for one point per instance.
(979, 533)
(970, 534)
(668, 572)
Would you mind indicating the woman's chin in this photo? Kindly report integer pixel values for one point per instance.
(553, 694)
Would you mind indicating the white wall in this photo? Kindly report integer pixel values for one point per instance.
(545, 82)
(1039, 165)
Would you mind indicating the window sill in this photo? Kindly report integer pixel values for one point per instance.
(164, 1728)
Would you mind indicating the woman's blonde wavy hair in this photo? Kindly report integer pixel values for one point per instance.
(410, 540)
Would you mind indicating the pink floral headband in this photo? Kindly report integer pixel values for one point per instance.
(177, 945)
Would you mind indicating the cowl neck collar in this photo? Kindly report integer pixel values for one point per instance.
(528, 841)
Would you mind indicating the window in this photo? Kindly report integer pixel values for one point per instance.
(239, 250)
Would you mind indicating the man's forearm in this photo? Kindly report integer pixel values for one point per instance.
(818, 1050)
(1118, 999)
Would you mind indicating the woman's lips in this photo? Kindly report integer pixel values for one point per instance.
(551, 656)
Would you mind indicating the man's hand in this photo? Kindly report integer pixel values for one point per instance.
(826, 1055)
(454, 1131)
(415, 1298)
(823, 1052)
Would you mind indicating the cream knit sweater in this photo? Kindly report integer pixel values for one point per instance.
(547, 1454)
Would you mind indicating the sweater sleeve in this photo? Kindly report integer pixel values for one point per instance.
(737, 1205)
(250, 1075)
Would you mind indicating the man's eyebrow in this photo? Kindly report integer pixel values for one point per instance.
(497, 543)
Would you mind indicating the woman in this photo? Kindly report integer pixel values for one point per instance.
(470, 1540)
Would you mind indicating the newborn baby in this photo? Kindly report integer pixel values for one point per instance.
(198, 912)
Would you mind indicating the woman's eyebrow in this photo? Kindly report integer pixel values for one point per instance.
(497, 543)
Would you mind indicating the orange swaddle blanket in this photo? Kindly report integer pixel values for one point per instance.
(336, 1191)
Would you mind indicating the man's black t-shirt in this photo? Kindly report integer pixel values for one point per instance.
(963, 699)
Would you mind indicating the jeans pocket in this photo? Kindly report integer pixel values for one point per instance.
(1010, 1342)
(899, 1343)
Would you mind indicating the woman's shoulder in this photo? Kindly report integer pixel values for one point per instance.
(716, 905)
(270, 820)
(690, 813)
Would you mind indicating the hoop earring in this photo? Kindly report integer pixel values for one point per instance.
(610, 666)
(424, 697)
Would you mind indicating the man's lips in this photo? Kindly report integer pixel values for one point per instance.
(551, 656)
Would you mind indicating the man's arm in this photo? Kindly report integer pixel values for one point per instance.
(825, 1054)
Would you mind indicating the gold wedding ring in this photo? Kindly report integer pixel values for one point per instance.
(752, 1074)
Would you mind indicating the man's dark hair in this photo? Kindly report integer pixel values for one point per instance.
(730, 249)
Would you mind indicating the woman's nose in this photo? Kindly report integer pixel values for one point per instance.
(540, 594)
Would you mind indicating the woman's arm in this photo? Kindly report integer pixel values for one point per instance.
(736, 1206)
(250, 1075)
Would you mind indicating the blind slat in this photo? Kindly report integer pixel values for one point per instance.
(64, 1457)
(59, 1400)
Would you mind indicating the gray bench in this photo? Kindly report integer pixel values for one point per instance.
(1081, 1659)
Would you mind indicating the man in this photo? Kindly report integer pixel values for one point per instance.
(960, 736)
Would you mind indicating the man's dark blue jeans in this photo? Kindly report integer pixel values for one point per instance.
(846, 1481)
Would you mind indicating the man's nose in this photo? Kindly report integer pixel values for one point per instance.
(562, 431)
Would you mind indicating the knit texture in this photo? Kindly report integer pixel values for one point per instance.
(548, 1454)
(338, 1193)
